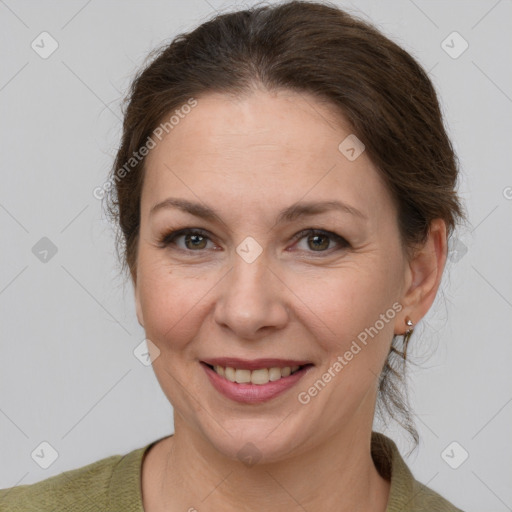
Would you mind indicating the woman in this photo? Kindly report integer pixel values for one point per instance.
(285, 191)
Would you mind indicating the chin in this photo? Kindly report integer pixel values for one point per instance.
(254, 442)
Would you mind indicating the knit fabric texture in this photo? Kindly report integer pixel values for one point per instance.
(113, 484)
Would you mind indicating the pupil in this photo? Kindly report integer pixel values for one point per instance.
(195, 239)
(321, 246)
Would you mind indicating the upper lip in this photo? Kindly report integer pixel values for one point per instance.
(253, 364)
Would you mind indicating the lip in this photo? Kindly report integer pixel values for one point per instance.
(253, 364)
(254, 393)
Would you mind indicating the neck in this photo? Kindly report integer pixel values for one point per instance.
(198, 477)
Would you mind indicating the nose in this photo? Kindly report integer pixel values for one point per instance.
(252, 300)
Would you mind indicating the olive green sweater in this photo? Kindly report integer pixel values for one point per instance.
(113, 484)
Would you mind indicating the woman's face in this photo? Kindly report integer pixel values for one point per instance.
(246, 287)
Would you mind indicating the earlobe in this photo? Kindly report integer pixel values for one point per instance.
(138, 307)
(425, 271)
(138, 310)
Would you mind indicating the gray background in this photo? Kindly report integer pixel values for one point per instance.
(68, 375)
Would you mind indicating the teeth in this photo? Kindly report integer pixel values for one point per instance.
(229, 373)
(274, 374)
(260, 376)
(242, 376)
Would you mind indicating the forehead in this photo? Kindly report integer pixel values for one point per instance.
(282, 123)
(278, 146)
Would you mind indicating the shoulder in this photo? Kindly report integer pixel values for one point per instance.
(406, 493)
(77, 490)
(426, 500)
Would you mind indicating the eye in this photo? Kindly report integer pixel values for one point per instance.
(194, 239)
(318, 240)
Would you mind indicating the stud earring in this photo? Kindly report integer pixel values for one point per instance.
(407, 335)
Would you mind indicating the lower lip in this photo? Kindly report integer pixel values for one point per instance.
(253, 393)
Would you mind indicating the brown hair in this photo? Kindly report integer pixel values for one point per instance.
(318, 49)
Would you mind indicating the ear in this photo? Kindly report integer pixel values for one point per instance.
(138, 309)
(138, 306)
(424, 273)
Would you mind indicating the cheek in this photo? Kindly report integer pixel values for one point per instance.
(171, 304)
(358, 309)
(347, 301)
(357, 321)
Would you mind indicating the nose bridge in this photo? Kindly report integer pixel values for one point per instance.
(250, 299)
(250, 266)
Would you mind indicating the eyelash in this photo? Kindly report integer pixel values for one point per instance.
(169, 238)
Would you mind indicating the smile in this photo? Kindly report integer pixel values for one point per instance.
(254, 382)
(258, 377)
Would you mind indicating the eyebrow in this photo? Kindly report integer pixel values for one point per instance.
(287, 215)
